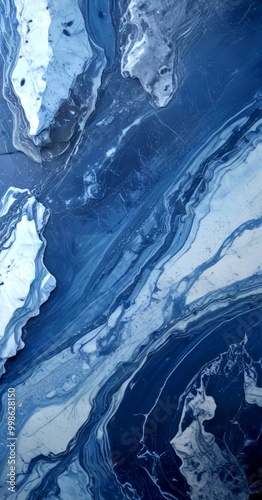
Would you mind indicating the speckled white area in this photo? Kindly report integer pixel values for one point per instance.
(35, 53)
(54, 50)
(148, 53)
(25, 283)
(238, 261)
(155, 35)
(221, 249)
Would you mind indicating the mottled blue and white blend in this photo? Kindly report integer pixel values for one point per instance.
(130, 188)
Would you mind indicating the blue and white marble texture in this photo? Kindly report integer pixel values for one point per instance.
(49, 56)
(130, 177)
(25, 282)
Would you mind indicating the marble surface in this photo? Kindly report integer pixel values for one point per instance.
(24, 280)
(49, 56)
(49, 59)
(137, 192)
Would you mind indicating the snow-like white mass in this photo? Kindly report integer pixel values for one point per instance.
(54, 49)
(25, 282)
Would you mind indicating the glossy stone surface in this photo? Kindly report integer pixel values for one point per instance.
(141, 376)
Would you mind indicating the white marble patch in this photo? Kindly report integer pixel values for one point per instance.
(25, 282)
(54, 50)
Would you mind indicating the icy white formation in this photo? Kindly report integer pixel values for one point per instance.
(154, 36)
(210, 471)
(54, 50)
(25, 282)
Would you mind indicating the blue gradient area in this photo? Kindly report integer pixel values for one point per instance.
(141, 377)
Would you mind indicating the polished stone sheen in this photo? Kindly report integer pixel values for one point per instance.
(140, 378)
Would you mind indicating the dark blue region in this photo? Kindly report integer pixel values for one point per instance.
(98, 19)
(148, 417)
